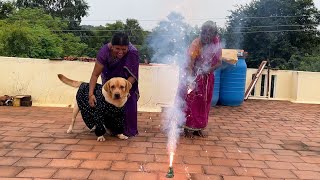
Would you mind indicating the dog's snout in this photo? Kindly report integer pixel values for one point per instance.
(117, 96)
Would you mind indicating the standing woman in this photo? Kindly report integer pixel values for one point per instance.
(119, 59)
(204, 57)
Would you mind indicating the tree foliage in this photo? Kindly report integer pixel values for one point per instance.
(40, 38)
(6, 8)
(274, 29)
(71, 10)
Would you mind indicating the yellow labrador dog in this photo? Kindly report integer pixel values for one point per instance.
(108, 113)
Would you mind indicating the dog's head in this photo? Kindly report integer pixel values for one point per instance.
(117, 90)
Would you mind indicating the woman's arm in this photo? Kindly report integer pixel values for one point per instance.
(94, 77)
(93, 81)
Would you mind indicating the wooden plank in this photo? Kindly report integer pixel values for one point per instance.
(255, 79)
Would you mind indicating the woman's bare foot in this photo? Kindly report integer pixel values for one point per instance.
(188, 133)
(199, 133)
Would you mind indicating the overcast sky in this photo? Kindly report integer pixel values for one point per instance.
(150, 12)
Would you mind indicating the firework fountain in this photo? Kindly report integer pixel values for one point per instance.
(170, 41)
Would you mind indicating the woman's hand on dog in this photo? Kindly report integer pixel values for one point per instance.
(92, 100)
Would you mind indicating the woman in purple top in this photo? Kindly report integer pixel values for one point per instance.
(119, 59)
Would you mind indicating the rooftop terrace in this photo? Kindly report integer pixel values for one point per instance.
(257, 140)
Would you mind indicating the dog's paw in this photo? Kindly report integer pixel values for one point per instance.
(69, 131)
(94, 128)
(121, 136)
(101, 138)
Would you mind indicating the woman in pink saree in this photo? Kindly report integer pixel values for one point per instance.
(204, 57)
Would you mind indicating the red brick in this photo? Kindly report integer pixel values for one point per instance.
(187, 153)
(126, 166)
(263, 157)
(88, 164)
(64, 163)
(311, 159)
(289, 158)
(140, 157)
(261, 151)
(103, 174)
(307, 174)
(106, 149)
(95, 142)
(134, 150)
(238, 156)
(159, 145)
(140, 175)
(197, 160)
(271, 146)
(218, 170)
(112, 156)
(279, 165)
(25, 145)
(156, 151)
(9, 171)
(214, 149)
(72, 174)
(165, 159)
(244, 171)
(249, 145)
(23, 153)
(83, 155)
(15, 139)
(53, 154)
(202, 177)
(4, 151)
(66, 141)
(237, 178)
(178, 168)
(15, 133)
(37, 172)
(253, 163)
(7, 161)
(286, 152)
(279, 173)
(224, 162)
(40, 140)
(32, 162)
(39, 134)
(236, 149)
(51, 146)
(212, 154)
(76, 147)
(307, 167)
(189, 147)
(140, 144)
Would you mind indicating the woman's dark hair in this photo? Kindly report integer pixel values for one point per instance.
(120, 38)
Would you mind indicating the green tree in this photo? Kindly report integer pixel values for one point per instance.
(135, 32)
(71, 10)
(6, 8)
(40, 38)
(274, 29)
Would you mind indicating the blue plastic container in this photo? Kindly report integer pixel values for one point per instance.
(232, 83)
(216, 87)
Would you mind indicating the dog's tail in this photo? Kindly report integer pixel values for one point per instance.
(68, 81)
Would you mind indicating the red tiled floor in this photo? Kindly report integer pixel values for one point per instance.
(257, 140)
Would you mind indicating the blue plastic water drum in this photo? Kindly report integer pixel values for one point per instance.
(232, 83)
(216, 87)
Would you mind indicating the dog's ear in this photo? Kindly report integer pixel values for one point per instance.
(128, 86)
(107, 87)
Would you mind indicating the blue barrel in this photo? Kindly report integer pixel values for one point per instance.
(232, 83)
(216, 87)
